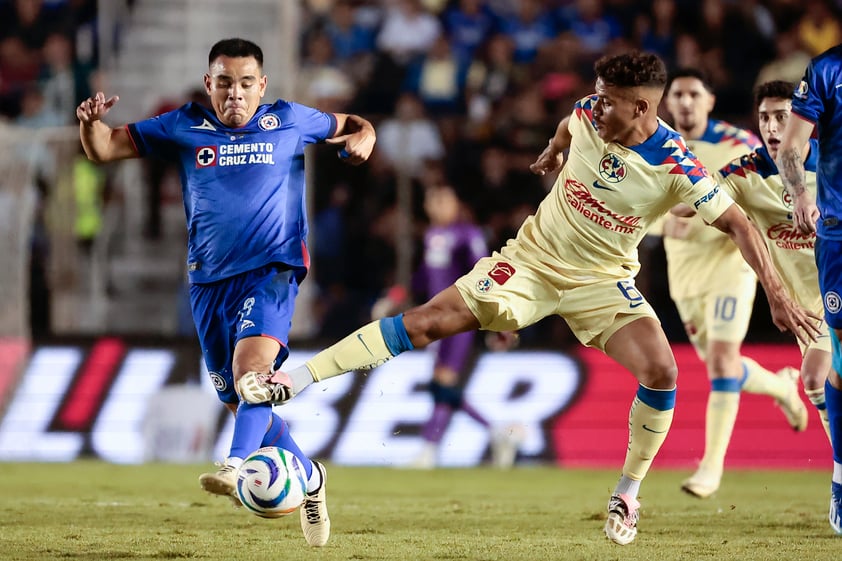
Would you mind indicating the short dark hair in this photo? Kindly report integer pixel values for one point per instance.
(687, 72)
(632, 69)
(236, 47)
(780, 89)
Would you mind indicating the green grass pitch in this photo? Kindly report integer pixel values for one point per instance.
(95, 511)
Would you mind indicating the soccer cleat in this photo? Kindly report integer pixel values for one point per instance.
(314, 519)
(701, 484)
(792, 406)
(258, 387)
(835, 515)
(505, 442)
(623, 514)
(223, 482)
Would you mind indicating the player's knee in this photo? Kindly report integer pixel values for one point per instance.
(660, 374)
(813, 379)
(430, 323)
(723, 365)
(240, 367)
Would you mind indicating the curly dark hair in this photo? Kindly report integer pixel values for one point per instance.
(779, 89)
(632, 69)
(234, 48)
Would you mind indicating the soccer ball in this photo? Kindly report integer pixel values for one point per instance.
(271, 482)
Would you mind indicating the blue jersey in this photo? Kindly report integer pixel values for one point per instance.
(818, 99)
(243, 188)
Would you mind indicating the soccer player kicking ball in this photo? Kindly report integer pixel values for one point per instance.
(576, 257)
(816, 102)
(242, 170)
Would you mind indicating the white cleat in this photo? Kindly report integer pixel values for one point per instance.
(623, 514)
(702, 484)
(793, 408)
(315, 522)
(223, 482)
(505, 443)
(260, 387)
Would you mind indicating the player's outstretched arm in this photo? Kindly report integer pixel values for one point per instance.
(355, 136)
(101, 142)
(552, 157)
(791, 165)
(786, 314)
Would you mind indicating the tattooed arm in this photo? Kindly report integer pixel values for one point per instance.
(791, 165)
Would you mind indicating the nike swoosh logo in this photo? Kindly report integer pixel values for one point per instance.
(635, 304)
(653, 430)
(598, 185)
(838, 86)
(360, 337)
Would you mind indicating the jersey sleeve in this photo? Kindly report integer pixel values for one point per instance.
(735, 179)
(314, 125)
(153, 137)
(704, 195)
(807, 98)
(582, 115)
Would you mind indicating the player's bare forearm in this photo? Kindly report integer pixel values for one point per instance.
(101, 142)
(95, 136)
(791, 166)
(355, 136)
(348, 124)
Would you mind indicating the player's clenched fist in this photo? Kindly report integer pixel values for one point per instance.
(94, 108)
(550, 160)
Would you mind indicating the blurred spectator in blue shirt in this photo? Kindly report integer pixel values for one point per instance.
(468, 23)
(531, 28)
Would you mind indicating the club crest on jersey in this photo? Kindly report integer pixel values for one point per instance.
(832, 302)
(612, 168)
(801, 90)
(205, 156)
(484, 285)
(501, 272)
(269, 122)
(786, 198)
(218, 381)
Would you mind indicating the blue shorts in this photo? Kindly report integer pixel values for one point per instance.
(254, 303)
(829, 263)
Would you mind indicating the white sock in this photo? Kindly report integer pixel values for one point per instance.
(627, 486)
(301, 378)
(315, 480)
(233, 461)
(837, 473)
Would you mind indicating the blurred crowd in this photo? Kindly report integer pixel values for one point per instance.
(461, 91)
(47, 57)
(469, 92)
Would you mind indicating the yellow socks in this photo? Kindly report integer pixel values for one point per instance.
(719, 424)
(648, 428)
(363, 349)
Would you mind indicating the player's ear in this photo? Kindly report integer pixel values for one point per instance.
(641, 107)
(207, 81)
(263, 81)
